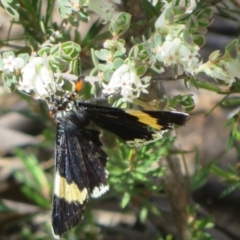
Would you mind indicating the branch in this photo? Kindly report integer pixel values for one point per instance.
(178, 195)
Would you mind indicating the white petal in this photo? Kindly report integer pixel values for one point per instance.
(18, 63)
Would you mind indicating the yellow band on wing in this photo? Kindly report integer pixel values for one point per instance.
(145, 118)
(69, 192)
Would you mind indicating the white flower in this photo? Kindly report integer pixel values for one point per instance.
(175, 51)
(146, 79)
(218, 73)
(225, 70)
(141, 88)
(128, 82)
(11, 63)
(43, 82)
(189, 59)
(170, 50)
(104, 10)
(37, 77)
(25, 85)
(159, 54)
(108, 89)
(127, 95)
(168, 53)
(18, 63)
(122, 74)
(8, 64)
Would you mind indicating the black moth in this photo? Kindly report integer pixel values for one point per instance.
(80, 161)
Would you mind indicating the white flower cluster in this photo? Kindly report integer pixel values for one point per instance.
(36, 78)
(174, 50)
(126, 79)
(225, 70)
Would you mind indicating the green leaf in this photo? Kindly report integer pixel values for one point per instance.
(200, 177)
(103, 54)
(234, 101)
(117, 63)
(187, 101)
(44, 50)
(232, 49)
(24, 56)
(235, 131)
(230, 141)
(125, 200)
(11, 8)
(150, 10)
(231, 188)
(35, 186)
(143, 214)
(70, 50)
(10, 82)
(141, 70)
(107, 74)
(221, 172)
(120, 25)
(187, 37)
(8, 54)
(139, 52)
(73, 20)
(209, 86)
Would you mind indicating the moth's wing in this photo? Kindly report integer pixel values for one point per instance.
(71, 184)
(136, 127)
(80, 172)
(95, 162)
